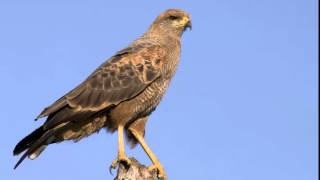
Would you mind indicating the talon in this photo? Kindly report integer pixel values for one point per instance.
(159, 170)
(125, 160)
(116, 162)
(112, 166)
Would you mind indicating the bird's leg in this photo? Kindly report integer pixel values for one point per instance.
(121, 154)
(156, 163)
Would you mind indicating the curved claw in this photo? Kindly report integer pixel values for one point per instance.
(160, 171)
(113, 165)
(116, 162)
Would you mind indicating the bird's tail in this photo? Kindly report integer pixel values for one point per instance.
(26, 142)
(34, 143)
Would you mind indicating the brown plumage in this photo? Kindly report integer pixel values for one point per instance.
(122, 92)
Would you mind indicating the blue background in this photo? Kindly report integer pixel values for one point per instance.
(243, 105)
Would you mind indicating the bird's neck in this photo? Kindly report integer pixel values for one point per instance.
(162, 37)
(171, 43)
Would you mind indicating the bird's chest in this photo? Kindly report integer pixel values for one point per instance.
(171, 62)
(152, 96)
(142, 105)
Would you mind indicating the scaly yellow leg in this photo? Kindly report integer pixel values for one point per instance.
(156, 163)
(121, 154)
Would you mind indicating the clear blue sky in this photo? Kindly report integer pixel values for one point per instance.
(242, 106)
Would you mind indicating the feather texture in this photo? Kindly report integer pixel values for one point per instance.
(123, 91)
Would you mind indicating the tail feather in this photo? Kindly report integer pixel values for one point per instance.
(37, 152)
(20, 160)
(26, 142)
(37, 141)
(34, 144)
(37, 147)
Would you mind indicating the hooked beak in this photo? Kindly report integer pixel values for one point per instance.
(188, 25)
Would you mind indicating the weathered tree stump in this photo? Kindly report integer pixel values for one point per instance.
(135, 171)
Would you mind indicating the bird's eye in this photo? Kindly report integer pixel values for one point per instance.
(173, 17)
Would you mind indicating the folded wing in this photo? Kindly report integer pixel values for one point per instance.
(121, 78)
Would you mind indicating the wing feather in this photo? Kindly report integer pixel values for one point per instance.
(121, 78)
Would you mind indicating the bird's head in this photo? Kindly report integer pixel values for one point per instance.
(172, 20)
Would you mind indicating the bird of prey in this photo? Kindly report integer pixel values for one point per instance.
(119, 95)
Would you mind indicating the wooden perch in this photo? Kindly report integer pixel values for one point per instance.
(135, 171)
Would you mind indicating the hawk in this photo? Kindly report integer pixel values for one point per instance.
(119, 95)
